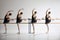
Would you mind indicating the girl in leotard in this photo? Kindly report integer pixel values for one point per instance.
(19, 19)
(33, 19)
(47, 19)
(7, 19)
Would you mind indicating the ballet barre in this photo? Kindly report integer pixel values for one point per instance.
(31, 23)
(36, 19)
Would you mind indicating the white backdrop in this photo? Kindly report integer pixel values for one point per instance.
(41, 7)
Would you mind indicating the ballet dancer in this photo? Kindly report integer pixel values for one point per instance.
(33, 19)
(19, 19)
(47, 19)
(7, 19)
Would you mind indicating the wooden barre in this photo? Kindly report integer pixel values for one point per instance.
(31, 23)
(37, 19)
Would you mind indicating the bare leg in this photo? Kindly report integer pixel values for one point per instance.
(47, 28)
(18, 29)
(33, 28)
(5, 29)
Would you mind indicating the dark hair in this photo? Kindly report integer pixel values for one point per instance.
(35, 12)
(21, 12)
(10, 14)
(49, 12)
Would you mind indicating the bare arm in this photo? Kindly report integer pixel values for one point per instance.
(24, 19)
(12, 19)
(9, 11)
(33, 10)
(20, 10)
(47, 10)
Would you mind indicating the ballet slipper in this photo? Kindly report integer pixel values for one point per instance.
(18, 33)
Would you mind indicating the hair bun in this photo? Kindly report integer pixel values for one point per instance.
(10, 13)
(21, 12)
(49, 12)
(35, 12)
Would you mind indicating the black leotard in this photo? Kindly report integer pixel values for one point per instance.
(47, 19)
(6, 20)
(18, 19)
(33, 19)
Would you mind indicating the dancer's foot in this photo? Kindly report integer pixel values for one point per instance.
(18, 33)
(29, 32)
(5, 33)
(47, 32)
(33, 32)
